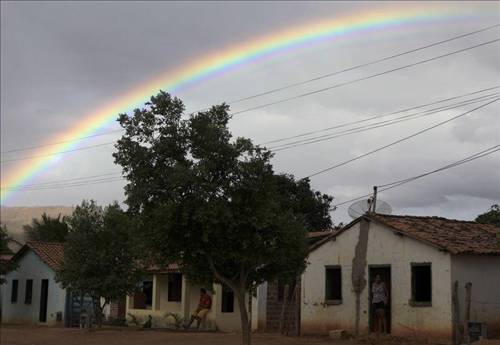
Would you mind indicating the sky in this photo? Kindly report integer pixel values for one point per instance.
(60, 60)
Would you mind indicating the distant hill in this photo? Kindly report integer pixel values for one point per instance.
(15, 217)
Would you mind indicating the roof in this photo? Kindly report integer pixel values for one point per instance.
(171, 268)
(451, 235)
(49, 252)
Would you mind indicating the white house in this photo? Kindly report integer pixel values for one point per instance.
(420, 259)
(31, 294)
(167, 291)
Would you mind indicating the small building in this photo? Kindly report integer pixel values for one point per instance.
(30, 294)
(420, 259)
(166, 295)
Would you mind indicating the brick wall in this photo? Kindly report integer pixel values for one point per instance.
(117, 309)
(274, 305)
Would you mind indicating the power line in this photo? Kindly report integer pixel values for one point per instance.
(59, 152)
(283, 100)
(63, 141)
(387, 186)
(349, 131)
(378, 116)
(323, 76)
(380, 124)
(401, 140)
(289, 145)
(66, 185)
(56, 182)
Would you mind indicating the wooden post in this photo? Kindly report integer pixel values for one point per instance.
(468, 290)
(456, 338)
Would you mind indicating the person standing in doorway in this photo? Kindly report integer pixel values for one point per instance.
(204, 305)
(380, 297)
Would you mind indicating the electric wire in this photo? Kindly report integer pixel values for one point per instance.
(380, 124)
(323, 76)
(400, 140)
(379, 116)
(280, 148)
(287, 99)
(398, 183)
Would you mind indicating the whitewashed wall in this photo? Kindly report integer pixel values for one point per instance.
(32, 267)
(384, 248)
(484, 274)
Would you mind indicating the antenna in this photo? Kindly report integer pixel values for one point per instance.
(371, 204)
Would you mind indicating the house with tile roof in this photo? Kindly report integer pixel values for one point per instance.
(165, 294)
(420, 260)
(31, 294)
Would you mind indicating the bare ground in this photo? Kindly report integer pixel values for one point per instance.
(25, 335)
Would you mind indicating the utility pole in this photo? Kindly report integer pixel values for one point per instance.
(374, 202)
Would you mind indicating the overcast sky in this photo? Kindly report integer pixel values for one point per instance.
(60, 60)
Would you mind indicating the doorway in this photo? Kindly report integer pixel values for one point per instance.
(385, 274)
(44, 295)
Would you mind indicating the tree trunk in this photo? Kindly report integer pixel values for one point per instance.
(98, 310)
(245, 320)
(286, 289)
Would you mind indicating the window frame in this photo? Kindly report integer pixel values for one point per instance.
(333, 301)
(412, 302)
(14, 291)
(29, 300)
(170, 283)
(225, 290)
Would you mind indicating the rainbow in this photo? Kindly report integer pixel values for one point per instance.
(218, 62)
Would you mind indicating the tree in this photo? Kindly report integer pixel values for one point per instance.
(5, 265)
(210, 201)
(490, 217)
(48, 229)
(99, 256)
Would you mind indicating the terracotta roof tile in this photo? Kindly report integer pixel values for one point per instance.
(50, 253)
(454, 236)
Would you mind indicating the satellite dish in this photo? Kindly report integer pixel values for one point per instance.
(359, 208)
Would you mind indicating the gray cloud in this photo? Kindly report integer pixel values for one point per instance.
(60, 60)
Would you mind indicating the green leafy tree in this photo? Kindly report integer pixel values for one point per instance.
(99, 255)
(47, 229)
(490, 217)
(5, 265)
(210, 201)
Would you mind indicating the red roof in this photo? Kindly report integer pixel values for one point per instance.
(451, 235)
(49, 252)
(454, 236)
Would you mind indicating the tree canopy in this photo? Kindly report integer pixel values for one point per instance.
(5, 266)
(99, 255)
(47, 229)
(490, 217)
(213, 202)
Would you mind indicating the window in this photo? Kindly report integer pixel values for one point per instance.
(421, 287)
(13, 294)
(333, 285)
(143, 298)
(174, 287)
(227, 300)
(28, 292)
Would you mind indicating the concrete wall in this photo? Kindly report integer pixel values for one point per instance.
(32, 267)
(484, 274)
(383, 248)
